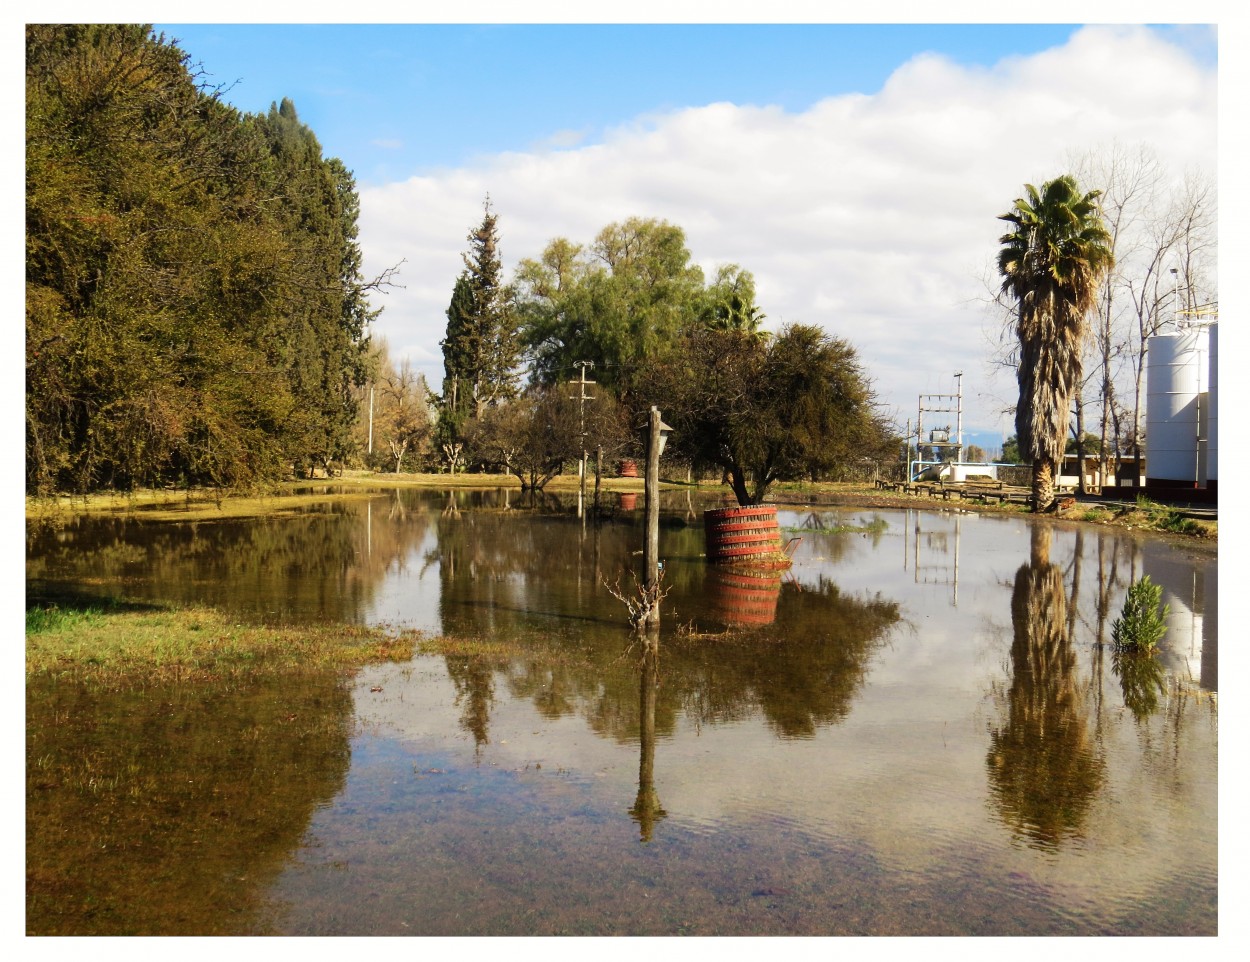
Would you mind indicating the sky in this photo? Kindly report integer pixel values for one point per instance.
(857, 170)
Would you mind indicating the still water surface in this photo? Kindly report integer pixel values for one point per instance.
(917, 729)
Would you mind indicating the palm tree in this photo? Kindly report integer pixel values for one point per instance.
(1052, 262)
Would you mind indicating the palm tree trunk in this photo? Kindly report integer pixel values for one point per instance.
(1043, 484)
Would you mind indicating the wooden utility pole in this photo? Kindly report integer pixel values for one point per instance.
(581, 397)
(651, 545)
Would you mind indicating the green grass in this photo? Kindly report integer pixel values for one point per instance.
(1159, 517)
(123, 642)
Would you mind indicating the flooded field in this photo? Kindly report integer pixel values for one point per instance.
(919, 729)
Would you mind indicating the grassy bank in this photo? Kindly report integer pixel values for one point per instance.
(125, 642)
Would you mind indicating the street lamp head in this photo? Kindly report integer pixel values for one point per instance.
(664, 429)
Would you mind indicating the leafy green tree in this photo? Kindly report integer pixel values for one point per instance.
(481, 349)
(763, 410)
(1052, 262)
(141, 197)
(1011, 451)
(1088, 445)
(620, 303)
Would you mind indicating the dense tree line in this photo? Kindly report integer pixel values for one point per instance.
(195, 310)
(632, 309)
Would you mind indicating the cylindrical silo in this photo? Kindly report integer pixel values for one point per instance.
(1213, 434)
(1176, 381)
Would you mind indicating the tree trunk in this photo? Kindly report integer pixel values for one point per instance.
(1043, 484)
(739, 483)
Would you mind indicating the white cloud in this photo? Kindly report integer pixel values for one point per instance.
(874, 216)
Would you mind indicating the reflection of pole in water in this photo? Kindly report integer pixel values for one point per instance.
(647, 810)
(955, 580)
(937, 543)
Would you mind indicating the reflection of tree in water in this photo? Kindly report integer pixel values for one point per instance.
(1142, 680)
(801, 672)
(473, 677)
(1142, 675)
(1044, 769)
(498, 569)
(324, 562)
(169, 810)
(520, 576)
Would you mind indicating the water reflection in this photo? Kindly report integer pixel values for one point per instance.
(647, 810)
(934, 550)
(744, 596)
(474, 682)
(324, 563)
(163, 810)
(1044, 767)
(816, 760)
(1142, 680)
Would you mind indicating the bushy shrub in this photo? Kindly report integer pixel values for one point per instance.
(1141, 622)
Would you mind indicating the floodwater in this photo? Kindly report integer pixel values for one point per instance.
(919, 729)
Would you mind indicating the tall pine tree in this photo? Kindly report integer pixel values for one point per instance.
(481, 350)
(195, 312)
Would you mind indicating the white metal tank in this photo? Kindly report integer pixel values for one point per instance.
(1213, 434)
(1176, 381)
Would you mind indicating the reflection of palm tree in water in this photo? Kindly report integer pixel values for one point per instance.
(1043, 769)
(647, 811)
(474, 681)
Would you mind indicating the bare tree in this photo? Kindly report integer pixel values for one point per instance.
(1131, 181)
(1172, 275)
(403, 418)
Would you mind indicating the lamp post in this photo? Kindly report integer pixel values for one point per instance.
(657, 435)
(959, 416)
(1176, 299)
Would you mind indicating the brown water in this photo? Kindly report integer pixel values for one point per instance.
(913, 731)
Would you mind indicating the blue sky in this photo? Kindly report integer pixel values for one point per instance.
(856, 170)
(392, 100)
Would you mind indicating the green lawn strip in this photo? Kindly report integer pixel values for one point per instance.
(193, 643)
